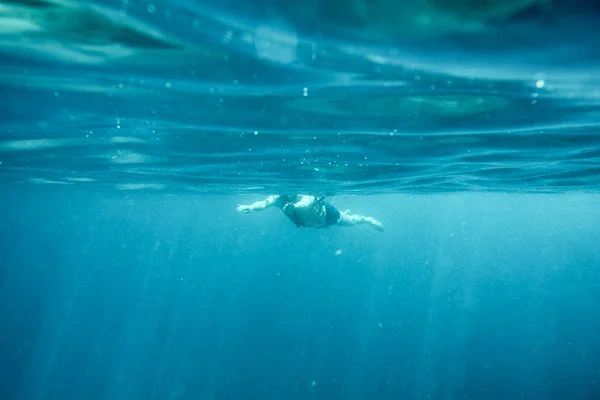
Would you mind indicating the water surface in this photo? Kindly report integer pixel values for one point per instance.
(185, 96)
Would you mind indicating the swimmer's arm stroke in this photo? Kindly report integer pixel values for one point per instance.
(259, 205)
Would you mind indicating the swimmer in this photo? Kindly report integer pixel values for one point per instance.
(310, 212)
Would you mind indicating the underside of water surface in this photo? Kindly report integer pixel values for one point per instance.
(358, 96)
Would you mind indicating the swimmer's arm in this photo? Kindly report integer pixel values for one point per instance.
(259, 205)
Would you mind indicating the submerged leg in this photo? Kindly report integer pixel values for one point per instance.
(347, 219)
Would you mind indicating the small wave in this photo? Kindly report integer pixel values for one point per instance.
(184, 96)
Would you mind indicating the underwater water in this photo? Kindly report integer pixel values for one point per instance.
(131, 130)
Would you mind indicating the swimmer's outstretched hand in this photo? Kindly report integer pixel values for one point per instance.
(378, 225)
(375, 224)
(244, 209)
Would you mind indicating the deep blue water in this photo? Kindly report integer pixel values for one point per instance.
(177, 297)
(130, 131)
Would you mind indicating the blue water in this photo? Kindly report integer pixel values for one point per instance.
(130, 131)
(183, 96)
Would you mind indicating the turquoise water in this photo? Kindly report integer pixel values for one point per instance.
(182, 96)
(131, 130)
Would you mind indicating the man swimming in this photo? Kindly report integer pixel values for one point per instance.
(310, 212)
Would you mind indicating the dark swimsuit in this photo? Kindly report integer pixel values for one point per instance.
(332, 214)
